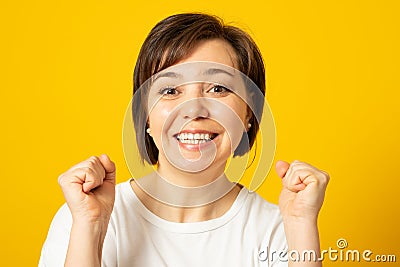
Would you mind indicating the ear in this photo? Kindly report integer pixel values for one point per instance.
(249, 115)
(250, 100)
(147, 128)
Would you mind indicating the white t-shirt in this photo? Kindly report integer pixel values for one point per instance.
(250, 233)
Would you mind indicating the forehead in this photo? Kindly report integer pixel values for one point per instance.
(214, 50)
(196, 71)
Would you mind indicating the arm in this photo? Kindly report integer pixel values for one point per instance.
(85, 244)
(300, 202)
(89, 189)
(302, 237)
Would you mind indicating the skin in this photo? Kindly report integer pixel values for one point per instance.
(89, 186)
(197, 116)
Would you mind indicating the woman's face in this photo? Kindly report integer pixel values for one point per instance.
(199, 118)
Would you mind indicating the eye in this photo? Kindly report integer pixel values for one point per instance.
(169, 92)
(219, 90)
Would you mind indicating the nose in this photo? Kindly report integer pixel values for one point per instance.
(194, 105)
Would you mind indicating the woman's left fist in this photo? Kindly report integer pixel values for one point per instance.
(303, 190)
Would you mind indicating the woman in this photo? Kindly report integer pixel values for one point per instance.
(188, 130)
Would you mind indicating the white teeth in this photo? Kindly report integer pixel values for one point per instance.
(197, 138)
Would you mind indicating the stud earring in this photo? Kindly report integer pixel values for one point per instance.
(249, 125)
(148, 131)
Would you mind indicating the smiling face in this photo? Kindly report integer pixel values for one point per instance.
(198, 122)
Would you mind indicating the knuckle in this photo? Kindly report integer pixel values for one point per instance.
(91, 164)
(296, 162)
(89, 170)
(326, 176)
(326, 181)
(323, 181)
(60, 179)
(93, 160)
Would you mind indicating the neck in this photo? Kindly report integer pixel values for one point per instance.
(189, 179)
(185, 214)
(179, 196)
(160, 189)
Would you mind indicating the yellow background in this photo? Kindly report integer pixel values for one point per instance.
(333, 86)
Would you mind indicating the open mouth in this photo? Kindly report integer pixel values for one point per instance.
(195, 138)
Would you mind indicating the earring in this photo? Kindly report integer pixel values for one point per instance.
(249, 125)
(148, 131)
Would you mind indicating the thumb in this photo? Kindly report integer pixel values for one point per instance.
(281, 168)
(108, 165)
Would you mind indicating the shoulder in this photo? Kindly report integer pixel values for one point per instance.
(267, 219)
(63, 219)
(263, 216)
(56, 244)
(259, 207)
(126, 204)
(124, 193)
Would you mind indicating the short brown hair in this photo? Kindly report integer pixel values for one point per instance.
(171, 40)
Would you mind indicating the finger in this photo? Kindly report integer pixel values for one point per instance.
(319, 176)
(281, 168)
(91, 172)
(75, 176)
(95, 163)
(286, 178)
(296, 164)
(109, 167)
(92, 161)
(304, 177)
(85, 177)
(92, 179)
(292, 180)
(299, 180)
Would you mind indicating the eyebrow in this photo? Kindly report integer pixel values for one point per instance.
(217, 71)
(169, 74)
(175, 75)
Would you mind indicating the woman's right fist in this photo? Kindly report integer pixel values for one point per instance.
(89, 189)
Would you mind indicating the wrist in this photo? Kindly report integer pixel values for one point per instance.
(86, 243)
(90, 228)
(300, 228)
(299, 221)
(83, 219)
(302, 234)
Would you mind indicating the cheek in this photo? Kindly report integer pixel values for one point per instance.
(158, 116)
(231, 115)
(241, 110)
(237, 109)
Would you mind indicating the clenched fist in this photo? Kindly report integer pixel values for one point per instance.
(303, 190)
(89, 189)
